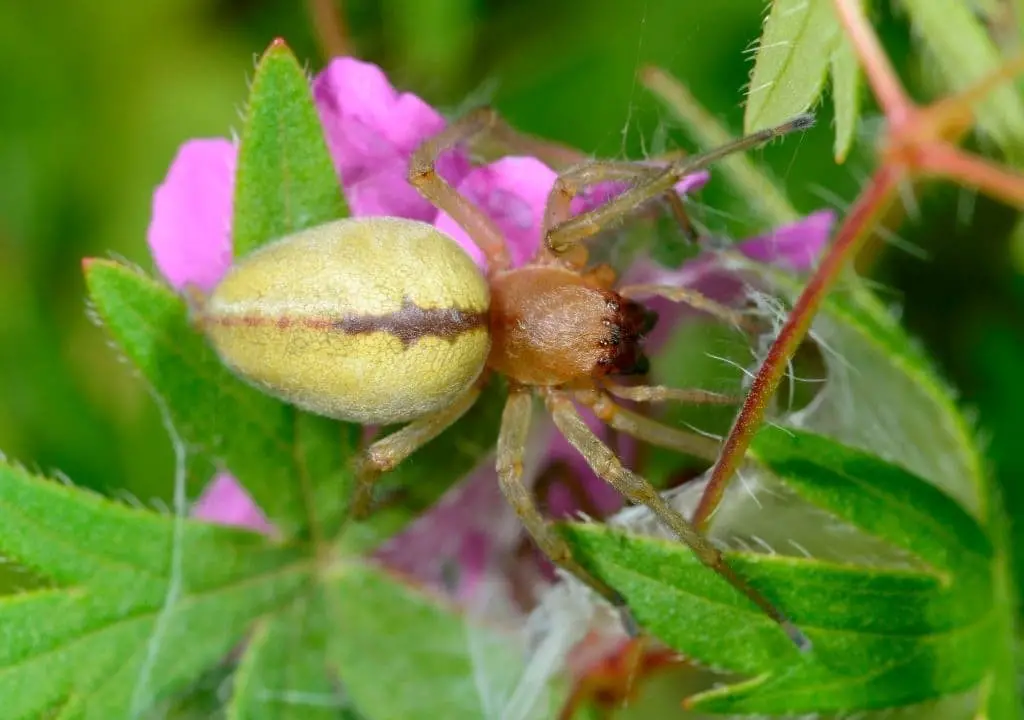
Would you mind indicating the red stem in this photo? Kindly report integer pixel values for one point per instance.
(856, 228)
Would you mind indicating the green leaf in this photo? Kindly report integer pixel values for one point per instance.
(44, 522)
(285, 180)
(880, 498)
(390, 635)
(284, 674)
(294, 466)
(200, 701)
(883, 635)
(792, 62)
(914, 421)
(157, 601)
(884, 395)
(1000, 692)
(846, 95)
(960, 46)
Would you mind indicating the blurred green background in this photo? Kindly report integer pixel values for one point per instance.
(98, 95)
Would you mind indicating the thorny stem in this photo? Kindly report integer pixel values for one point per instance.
(870, 204)
(918, 142)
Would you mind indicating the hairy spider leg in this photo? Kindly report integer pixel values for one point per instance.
(384, 454)
(567, 233)
(572, 181)
(644, 428)
(423, 176)
(515, 425)
(639, 491)
(663, 393)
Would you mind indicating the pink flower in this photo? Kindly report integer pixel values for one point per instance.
(190, 231)
(371, 131)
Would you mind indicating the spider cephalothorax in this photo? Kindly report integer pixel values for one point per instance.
(387, 320)
(551, 326)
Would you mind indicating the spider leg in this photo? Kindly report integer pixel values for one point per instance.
(568, 232)
(515, 425)
(682, 218)
(696, 300)
(572, 181)
(646, 429)
(503, 139)
(662, 393)
(638, 491)
(423, 176)
(384, 454)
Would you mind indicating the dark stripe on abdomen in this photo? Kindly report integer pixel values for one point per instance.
(412, 322)
(408, 324)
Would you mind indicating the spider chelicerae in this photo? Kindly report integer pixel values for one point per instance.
(387, 320)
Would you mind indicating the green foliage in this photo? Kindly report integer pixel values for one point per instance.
(301, 687)
(437, 665)
(802, 45)
(799, 39)
(144, 602)
(139, 607)
(846, 95)
(286, 179)
(883, 635)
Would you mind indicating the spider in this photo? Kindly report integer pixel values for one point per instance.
(387, 320)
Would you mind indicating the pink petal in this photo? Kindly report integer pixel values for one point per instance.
(190, 230)
(225, 501)
(372, 131)
(796, 246)
(693, 183)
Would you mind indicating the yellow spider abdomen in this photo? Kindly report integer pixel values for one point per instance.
(371, 320)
